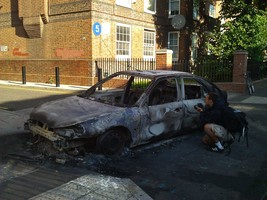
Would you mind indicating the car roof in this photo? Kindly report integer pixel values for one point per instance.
(153, 73)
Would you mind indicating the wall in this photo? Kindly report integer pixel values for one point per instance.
(239, 69)
(43, 71)
(28, 34)
(49, 33)
(62, 30)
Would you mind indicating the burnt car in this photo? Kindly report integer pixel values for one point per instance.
(125, 109)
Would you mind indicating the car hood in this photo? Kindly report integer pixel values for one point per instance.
(70, 111)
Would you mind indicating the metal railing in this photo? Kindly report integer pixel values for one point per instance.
(112, 65)
(215, 70)
(211, 69)
(257, 69)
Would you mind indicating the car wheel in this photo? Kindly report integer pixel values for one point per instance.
(110, 143)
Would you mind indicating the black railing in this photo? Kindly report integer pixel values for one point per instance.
(213, 70)
(258, 70)
(112, 65)
(181, 65)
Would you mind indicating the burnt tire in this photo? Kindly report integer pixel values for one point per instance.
(111, 143)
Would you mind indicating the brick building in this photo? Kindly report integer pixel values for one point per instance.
(71, 34)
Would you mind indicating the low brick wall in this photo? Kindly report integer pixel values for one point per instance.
(232, 87)
(72, 72)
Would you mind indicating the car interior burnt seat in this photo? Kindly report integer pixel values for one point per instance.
(163, 94)
(134, 96)
(155, 97)
(192, 92)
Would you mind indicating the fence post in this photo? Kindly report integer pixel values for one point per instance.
(99, 77)
(23, 75)
(239, 70)
(99, 74)
(57, 77)
(164, 59)
(128, 64)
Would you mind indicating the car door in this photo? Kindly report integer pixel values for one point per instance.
(192, 94)
(164, 112)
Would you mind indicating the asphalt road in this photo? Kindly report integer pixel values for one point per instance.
(177, 169)
(17, 98)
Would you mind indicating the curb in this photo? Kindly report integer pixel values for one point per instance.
(50, 87)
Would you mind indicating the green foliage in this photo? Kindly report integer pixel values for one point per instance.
(245, 29)
(215, 70)
(141, 83)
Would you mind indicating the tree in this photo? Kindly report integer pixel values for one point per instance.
(245, 28)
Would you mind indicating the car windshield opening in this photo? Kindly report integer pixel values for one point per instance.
(120, 90)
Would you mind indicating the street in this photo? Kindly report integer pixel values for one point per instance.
(175, 169)
(18, 98)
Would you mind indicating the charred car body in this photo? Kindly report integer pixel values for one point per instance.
(128, 108)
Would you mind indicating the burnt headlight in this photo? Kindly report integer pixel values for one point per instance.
(70, 132)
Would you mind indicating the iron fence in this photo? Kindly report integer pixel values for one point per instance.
(258, 70)
(112, 65)
(181, 65)
(213, 70)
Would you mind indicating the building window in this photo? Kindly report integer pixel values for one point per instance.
(125, 3)
(211, 10)
(195, 9)
(173, 44)
(149, 44)
(194, 46)
(123, 41)
(174, 7)
(150, 6)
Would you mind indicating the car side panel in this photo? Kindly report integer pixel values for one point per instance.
(128, 118)
(160, 119)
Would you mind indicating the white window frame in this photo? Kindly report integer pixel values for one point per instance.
(194, 45)
(124, 3)
(149, 45)
(146, 3)
(196, 9)
(171, 9)
(175, 55)
(121, 41)
(212, 10)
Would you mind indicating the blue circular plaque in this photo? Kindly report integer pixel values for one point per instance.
(97, 28)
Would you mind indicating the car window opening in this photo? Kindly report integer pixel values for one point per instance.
(120, 90)
(192, 89)
(164, 92)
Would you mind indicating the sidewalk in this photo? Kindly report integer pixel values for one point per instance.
(96, 186)
(44, 85)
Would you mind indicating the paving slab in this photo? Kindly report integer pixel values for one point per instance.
(95, 186)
